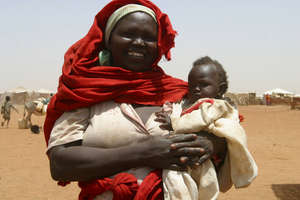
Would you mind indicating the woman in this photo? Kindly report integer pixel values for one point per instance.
(100, 124)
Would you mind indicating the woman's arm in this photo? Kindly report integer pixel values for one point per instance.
(73, 162)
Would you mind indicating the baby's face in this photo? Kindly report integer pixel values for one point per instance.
(203, 82)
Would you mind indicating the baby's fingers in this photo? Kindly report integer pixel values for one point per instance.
(204, 158)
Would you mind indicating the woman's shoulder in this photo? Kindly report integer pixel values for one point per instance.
(98, 106)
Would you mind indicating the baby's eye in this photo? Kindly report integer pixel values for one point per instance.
(202, 85)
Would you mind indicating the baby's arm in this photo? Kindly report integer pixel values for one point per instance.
(163, 116)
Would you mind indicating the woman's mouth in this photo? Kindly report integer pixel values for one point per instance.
(136, 54)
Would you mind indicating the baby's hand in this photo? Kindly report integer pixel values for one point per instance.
(164, 119)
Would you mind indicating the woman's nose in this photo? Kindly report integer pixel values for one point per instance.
(139, 41)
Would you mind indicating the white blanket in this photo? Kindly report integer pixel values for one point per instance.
(202, 183)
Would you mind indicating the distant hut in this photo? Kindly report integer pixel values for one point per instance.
(41, 93)
(277, 92)
(18, 95)
(279, 96)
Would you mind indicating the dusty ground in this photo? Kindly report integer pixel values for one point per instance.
(273, 133)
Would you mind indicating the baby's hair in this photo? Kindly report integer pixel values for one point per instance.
(222, 75)
(7, 98)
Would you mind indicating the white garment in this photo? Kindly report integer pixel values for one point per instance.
(202, 183)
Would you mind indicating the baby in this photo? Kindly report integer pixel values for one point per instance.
(204, 111)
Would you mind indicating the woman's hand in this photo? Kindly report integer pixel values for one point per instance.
(171, 151)
(212, 145)
(177, 152)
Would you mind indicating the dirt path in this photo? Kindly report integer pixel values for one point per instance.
(273, 135)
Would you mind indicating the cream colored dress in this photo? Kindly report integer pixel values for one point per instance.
(108, 125)
(104, 125)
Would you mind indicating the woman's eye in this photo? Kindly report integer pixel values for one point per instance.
(127, 35)
(149, 38)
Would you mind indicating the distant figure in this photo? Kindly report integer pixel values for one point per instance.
(268, 99)
(47, 100)
(5, 111)
(207, 113)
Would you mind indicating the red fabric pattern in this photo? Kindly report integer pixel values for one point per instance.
(84, 83)
(124, 187)
(151, 187)
(196, 106)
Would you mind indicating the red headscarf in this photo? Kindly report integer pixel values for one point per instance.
(84, 83)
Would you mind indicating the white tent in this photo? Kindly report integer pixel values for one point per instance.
(297, 95)
(44, 91)
(41, 93)
(278, 91)
(18, 95)
(18, 90)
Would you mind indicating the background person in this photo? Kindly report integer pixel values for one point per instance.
(5, 111)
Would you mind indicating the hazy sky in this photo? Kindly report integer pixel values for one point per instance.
(257, 41)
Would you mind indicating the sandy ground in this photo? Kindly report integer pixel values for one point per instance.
(273, 135)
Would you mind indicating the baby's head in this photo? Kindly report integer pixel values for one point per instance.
(207, 79)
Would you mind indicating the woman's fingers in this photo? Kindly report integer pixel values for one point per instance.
(181, 138)
(177, 167)
(189, 151)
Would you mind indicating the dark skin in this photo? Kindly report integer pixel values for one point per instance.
(134, 45)
(203, 81)
(132, 48)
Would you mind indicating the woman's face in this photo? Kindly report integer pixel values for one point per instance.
(133, 42)
(203, 82)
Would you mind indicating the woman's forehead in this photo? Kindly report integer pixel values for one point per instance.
(137, 17)
(121, 13)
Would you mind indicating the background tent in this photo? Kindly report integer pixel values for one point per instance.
(41, 93)
(20, 95)
(17, 95)
(279, 92)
